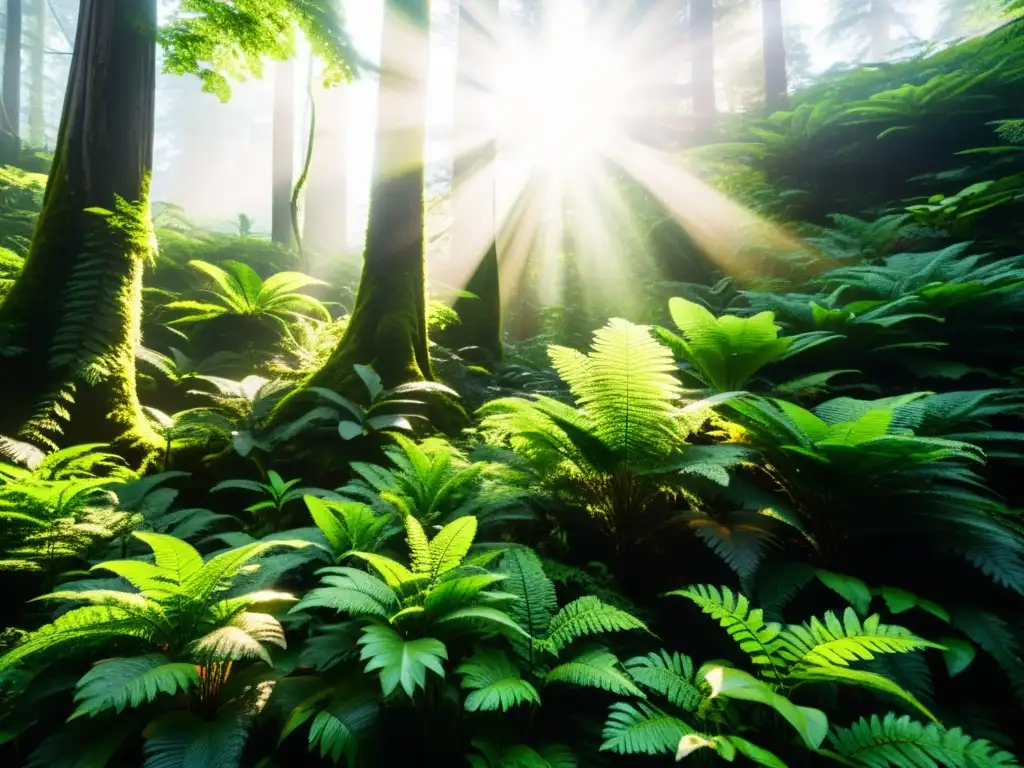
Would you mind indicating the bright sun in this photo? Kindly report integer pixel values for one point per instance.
(561, 102)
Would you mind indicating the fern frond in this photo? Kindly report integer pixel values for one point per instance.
(903, 743)
(131, 682)
(587, 616)
(760, 640)
(526, 580)
(670, 675)
(495, 682)
(642, 729)
(595, 669)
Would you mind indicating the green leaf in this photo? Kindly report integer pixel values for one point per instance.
(754, 753)
(851, 589)
(669, 675)
(587, 616)
(121, 683)
(811, 724)
(450, 545)
(958, 654)
(371, 379)
(495, 682)
(595, 669)
(641, 729)
(399, 661)
(349, 430)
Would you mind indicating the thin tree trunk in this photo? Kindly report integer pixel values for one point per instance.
(776, 88)
(474, 250)
(11, 89)
(37, 77)
(284, 152)
(74, 310)
(388, 328)
(325, 224)
(881, 34)
(702, 64)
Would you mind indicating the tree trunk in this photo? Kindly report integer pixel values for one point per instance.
(11, 89)
(702, 64)
(37, 75)
(284, 152)
(388, 328)
(881, 36)
(325, 224)
(74, 310)
(474, 250)
(776, 89)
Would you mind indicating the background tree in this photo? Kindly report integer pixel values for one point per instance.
(78, 355)
(875, 27)
(37, 75)
(284, 152)
(388, 327)
(775, 82)
(325, 222)
(11, 89)
(474, 249)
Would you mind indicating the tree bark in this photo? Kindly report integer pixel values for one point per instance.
(74, 310)
(37, 77)
(474, 249)
(325, 225)
(388, 327)
(283, 152)
(11, 89)
(702, 64)
(776, 88)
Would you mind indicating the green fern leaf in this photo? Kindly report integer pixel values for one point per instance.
(903, 743)
(419, 545)
(760, 640)
(401, 661)
(595, 669)
(121, 683)
(177, 558)
(395, 575)
(526, 580)
(185, 740)
(495, 682)
(352, 591)
(670, 675)
(450, 545)
(587, 616)
(641, 729)
(831, 642)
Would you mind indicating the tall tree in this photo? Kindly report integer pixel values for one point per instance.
(283, 152)
(388, 327)
(78, 352)
(37, 75)
(875, 27)
(11, 89)
(474, 249)
(775, 83)
(69, 326)
(702, 63)
(325, 221)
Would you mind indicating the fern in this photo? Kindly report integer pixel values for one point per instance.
(399, 661)
(642, 729)
(595, 669)
(495, 683)
(131, 682)
(669, 675)
(587, 616)
(903, 743)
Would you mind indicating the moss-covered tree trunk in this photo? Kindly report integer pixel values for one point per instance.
(388, 328)
(37, 76)
(775, 84)
(74, 310)
(474, 249)
(702, 64)
(11, 88)
(325, 224)
(283, 153)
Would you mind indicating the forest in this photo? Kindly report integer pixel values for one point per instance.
(519, 384)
